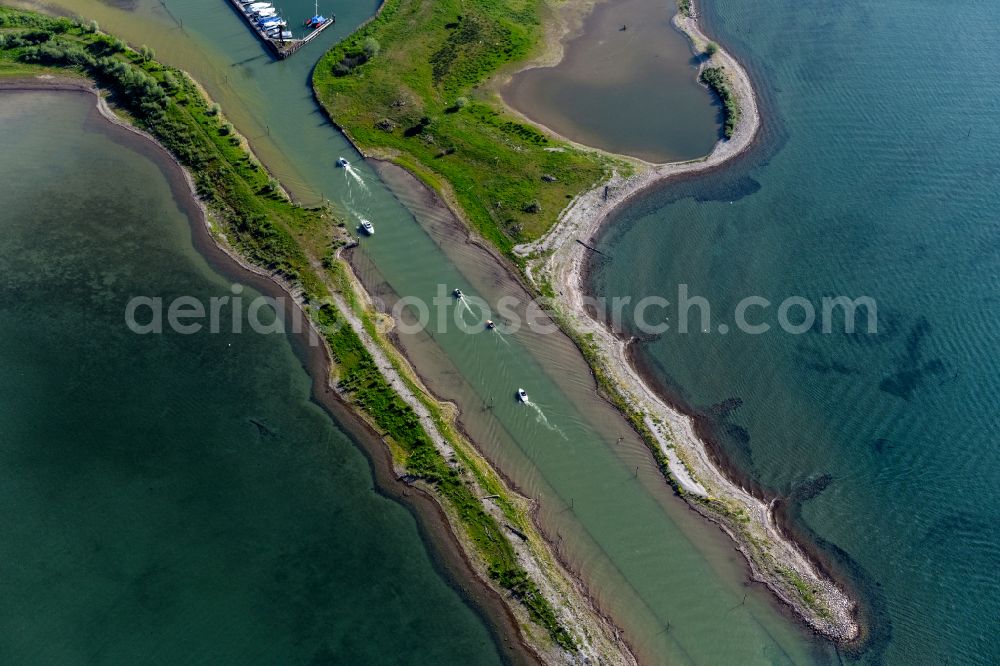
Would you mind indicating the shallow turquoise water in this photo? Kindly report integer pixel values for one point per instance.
(876, 175)
(173, 498)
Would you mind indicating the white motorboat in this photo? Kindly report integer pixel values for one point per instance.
(522, 395)
(490, 325)
(368, 227)
(342, 163)
(457, 293)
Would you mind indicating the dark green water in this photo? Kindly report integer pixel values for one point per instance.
(877, 175)
(147, 517)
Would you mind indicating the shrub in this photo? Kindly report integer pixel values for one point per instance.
(715, 78)
(372, 47)
(711, 49)
(36, 37)
(170, 82)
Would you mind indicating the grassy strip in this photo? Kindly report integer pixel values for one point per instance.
(360, 379)
(406, 85)
(256, 216)
(270, 231)
(715, 78)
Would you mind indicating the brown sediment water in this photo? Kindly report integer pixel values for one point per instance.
(627, 84)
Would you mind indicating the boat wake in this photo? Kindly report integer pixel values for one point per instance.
(351, 210)
(501, 337)
(349, 170)
(467, 308)
(542, 419)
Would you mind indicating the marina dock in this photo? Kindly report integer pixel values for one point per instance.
(281, 46)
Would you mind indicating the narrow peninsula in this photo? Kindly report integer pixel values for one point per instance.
(417, 86)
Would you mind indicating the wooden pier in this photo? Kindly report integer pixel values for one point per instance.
(281, 48)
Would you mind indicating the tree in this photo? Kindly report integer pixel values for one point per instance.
(461, 102)
(372, 47)
(146, 53)
(711, 49)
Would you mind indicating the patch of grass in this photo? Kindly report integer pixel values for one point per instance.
(684, 8)
(419, 99)
(804, 591)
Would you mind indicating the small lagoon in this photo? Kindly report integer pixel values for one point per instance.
(627, 84)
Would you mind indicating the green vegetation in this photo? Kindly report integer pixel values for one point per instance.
(684, 7)
(360, 379)
(258, 220)
(805, 592)
(716, 79)
(419, 100)
(711, 49)
(272, 232)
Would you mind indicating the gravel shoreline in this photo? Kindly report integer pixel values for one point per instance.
(559, 262)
